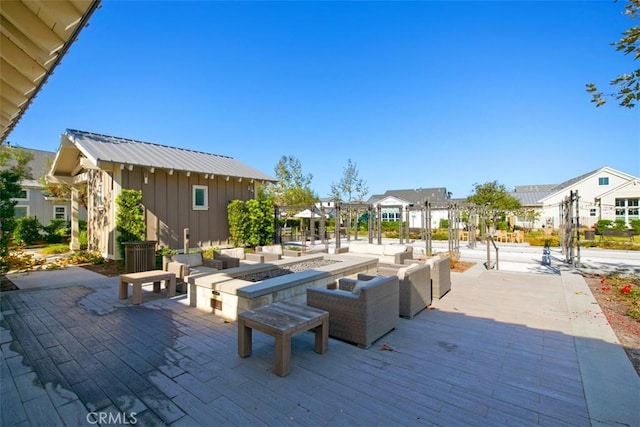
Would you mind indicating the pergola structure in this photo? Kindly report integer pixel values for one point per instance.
(34, 37)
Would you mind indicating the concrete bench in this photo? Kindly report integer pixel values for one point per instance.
(153, 276)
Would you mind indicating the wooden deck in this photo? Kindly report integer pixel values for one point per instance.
(497, 350)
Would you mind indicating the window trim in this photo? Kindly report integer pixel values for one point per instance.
(27, 194)
(27, 209)
(205, 206)
(66, 211)
(603, 180)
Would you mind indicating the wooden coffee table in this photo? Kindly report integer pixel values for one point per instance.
(282, 320)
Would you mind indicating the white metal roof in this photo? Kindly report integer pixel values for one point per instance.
(110, 149)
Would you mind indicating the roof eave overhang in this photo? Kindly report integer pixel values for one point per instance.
(16, 100)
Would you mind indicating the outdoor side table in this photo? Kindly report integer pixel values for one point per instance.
(137, 279)
(282, 320)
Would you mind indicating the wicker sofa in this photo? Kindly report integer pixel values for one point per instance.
(386, 254)
(185, 265)
(359, 311)
(415, 286)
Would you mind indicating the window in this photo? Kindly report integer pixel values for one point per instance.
(603, 181)
(593, 212)
(200, 197)
(620, 203)
(23, 195)
(21, 211)
(59, 212)
(391, 216)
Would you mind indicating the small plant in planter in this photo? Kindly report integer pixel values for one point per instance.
(292, 251)
(163, 256)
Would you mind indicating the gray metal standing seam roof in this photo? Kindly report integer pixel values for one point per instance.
(105, 148)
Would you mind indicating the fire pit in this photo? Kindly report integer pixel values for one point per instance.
(232, 291)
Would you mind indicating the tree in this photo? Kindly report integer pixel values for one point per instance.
(494, 199)
(293, 187)
(14, 167)
(351, 187)
(530, 216)
(130, 221)
(628, 84)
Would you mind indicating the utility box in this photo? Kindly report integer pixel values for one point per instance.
(139, 256)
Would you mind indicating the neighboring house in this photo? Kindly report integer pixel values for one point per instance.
(328, 206)
(394, 205)
(605, 193)
(181, 189)
(530, 197)
(34, 201)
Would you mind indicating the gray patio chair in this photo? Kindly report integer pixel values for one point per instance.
(415, 286)
(359, 311)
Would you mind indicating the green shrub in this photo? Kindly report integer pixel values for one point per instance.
(82, 257)
(57, 230)
(83, 239)
(440, 234)
(603, 224)
(620, 225)
(250, 222)
(27, 231)
(130, 218)
(635, 224)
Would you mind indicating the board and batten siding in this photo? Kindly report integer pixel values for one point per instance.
(168, 204)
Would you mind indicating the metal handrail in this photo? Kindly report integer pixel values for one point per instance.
(489, 266)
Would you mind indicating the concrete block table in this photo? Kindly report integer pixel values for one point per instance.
(282, 320)
(137, 279)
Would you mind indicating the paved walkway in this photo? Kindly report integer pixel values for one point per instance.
(502, 348)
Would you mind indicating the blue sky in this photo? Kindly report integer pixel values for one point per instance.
(417, 94)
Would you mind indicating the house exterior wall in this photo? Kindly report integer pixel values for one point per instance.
(622, 203)
(415, 215)
(38, 206)
(168, 207)
(588, 189)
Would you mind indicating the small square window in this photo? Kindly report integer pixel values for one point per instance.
(20, 211)
(200, 197)
(60, 212)
(603, 180)
(592, 212)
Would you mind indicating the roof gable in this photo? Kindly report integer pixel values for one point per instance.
(104, 149)
(634, 182)
(579, 179)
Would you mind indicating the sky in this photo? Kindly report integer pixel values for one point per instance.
(417, 94)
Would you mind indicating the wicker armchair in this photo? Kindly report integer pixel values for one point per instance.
(440, 275)
(415, 286)
(359, 311)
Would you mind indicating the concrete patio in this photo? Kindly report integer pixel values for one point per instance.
(502, 348)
